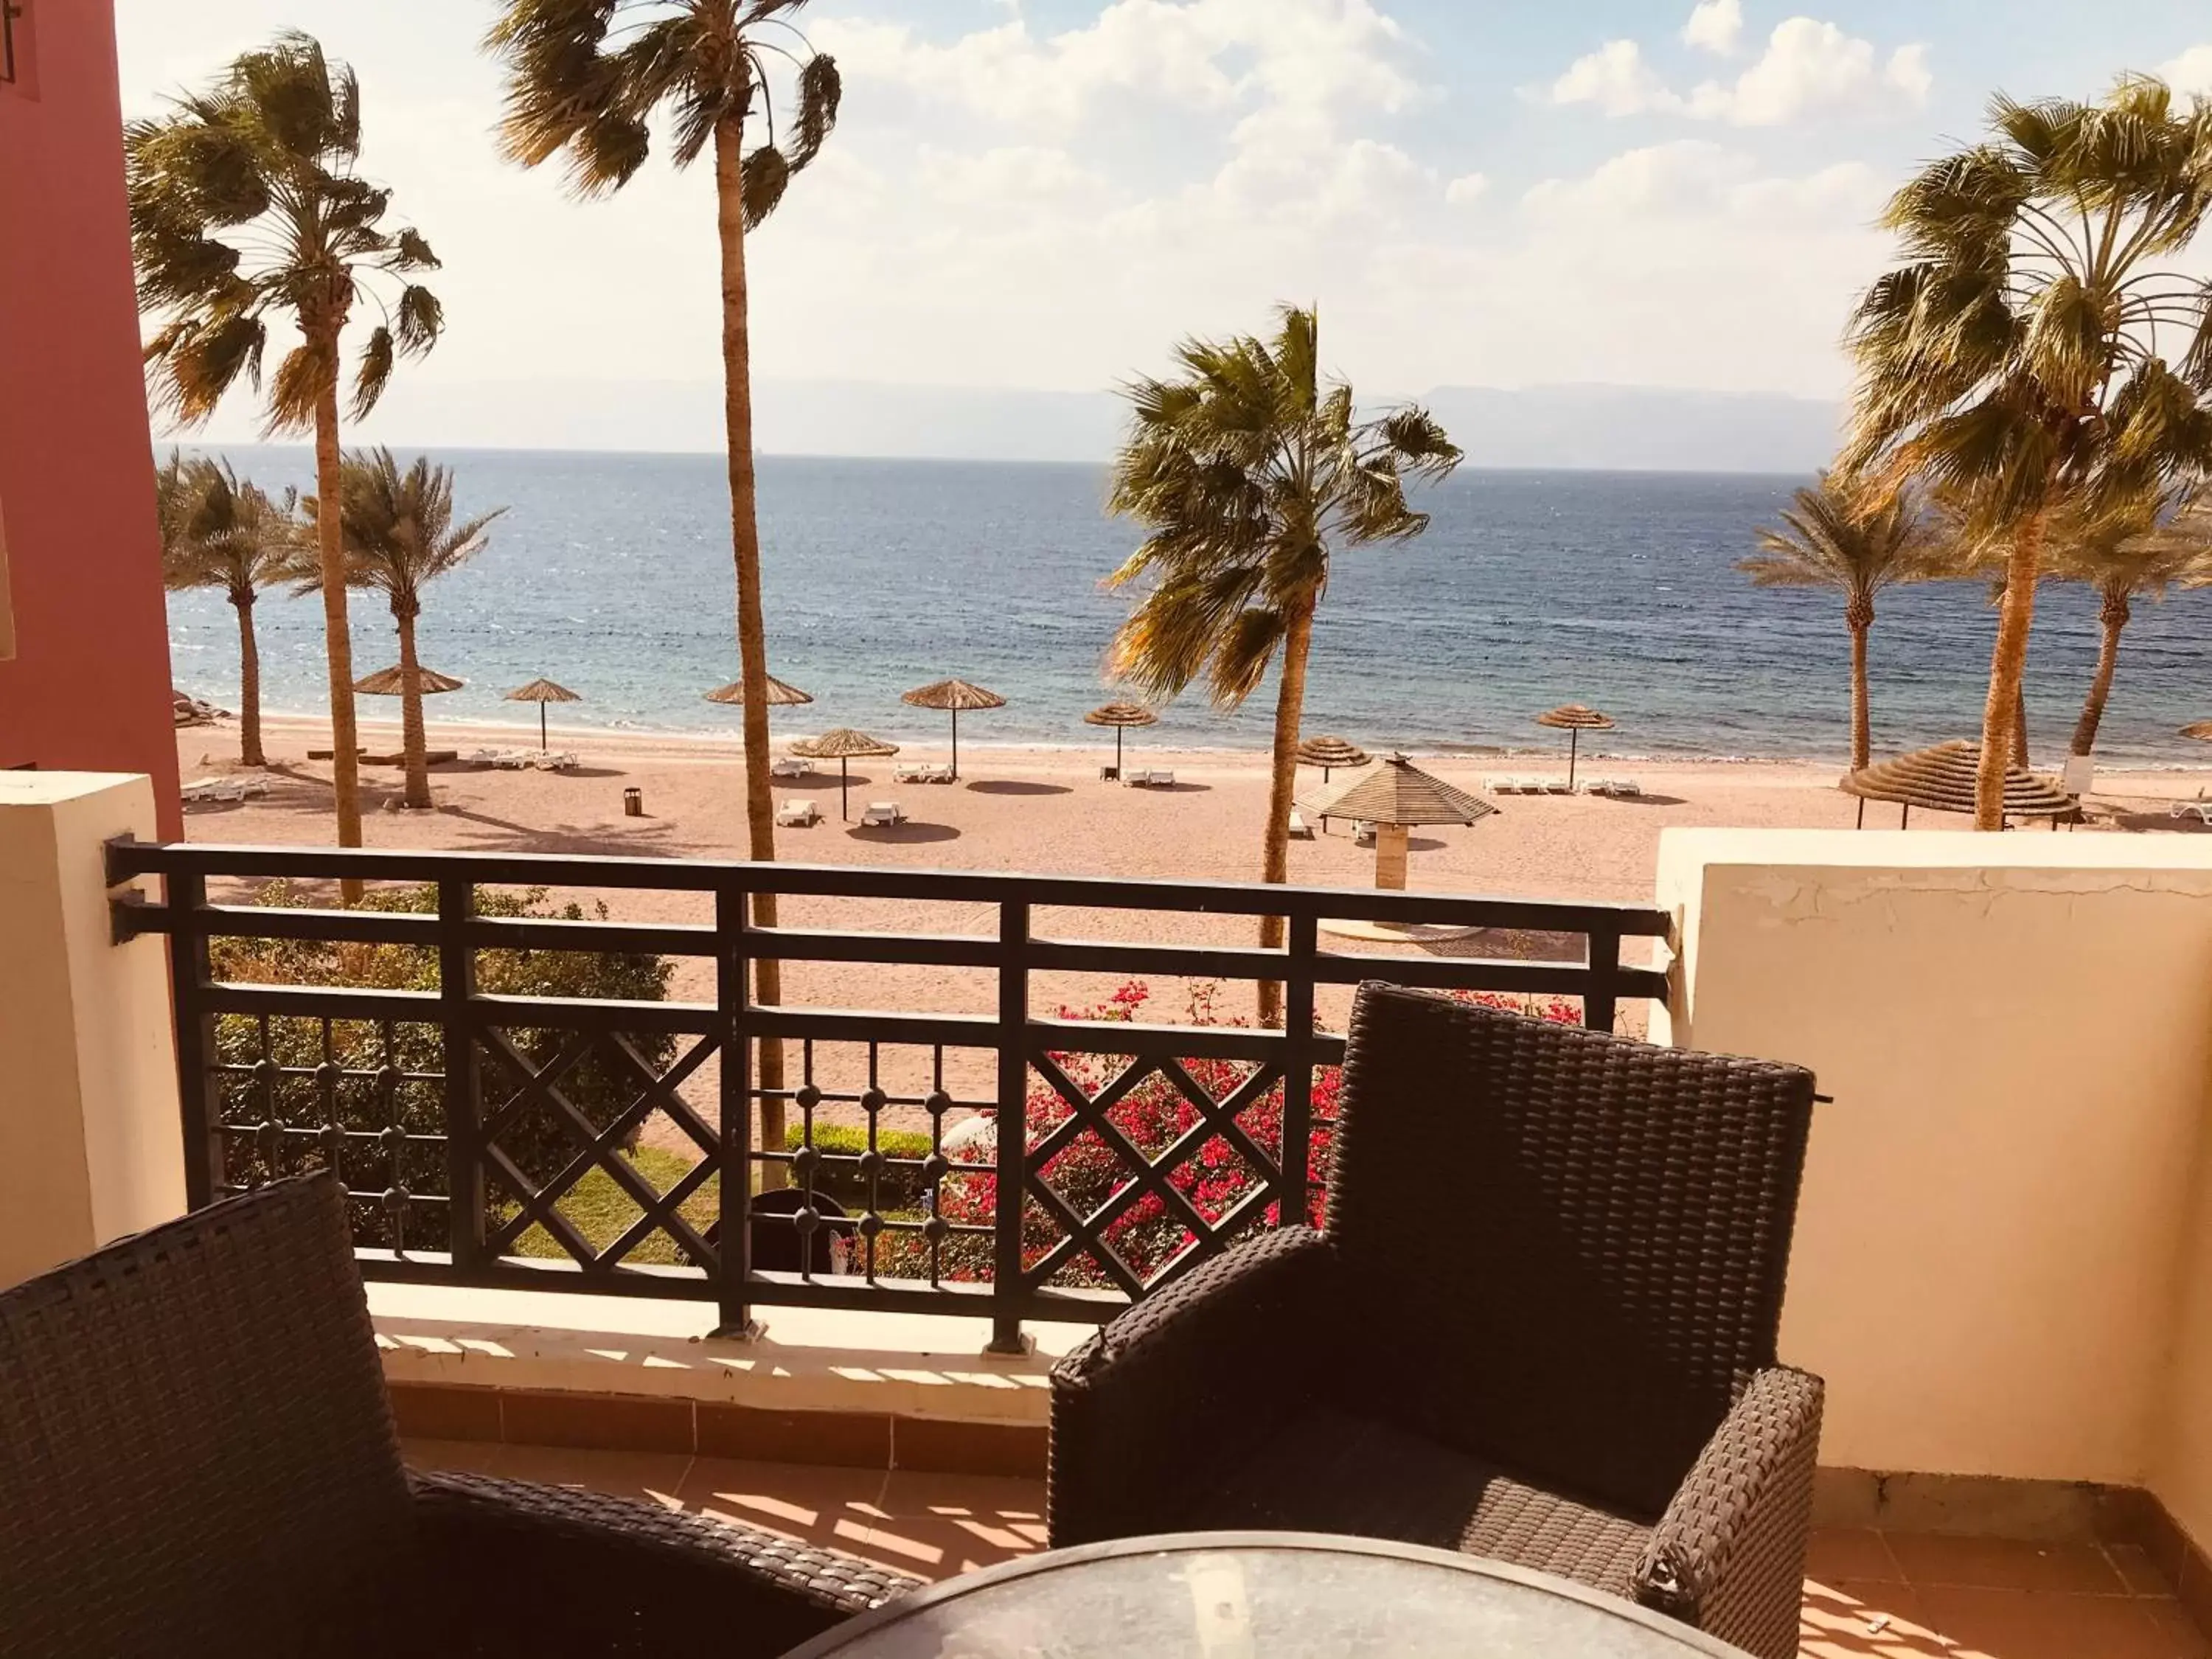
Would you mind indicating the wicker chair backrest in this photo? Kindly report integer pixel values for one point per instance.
(1570, 1249)
(196, 1452)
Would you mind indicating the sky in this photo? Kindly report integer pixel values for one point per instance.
(1047, 194)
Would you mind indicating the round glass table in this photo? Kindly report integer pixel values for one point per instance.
(1259, 1596)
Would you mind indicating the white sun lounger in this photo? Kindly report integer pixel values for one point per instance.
(1155, 780)
(1300, 829)
(2199, 810)
(798, 814)
(790, 766)
(559, 761)
(1618, 788)
(910, 771)
(882, 814)
(941, 773)
(1363, 832)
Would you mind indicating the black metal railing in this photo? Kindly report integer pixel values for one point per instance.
(465, 1122)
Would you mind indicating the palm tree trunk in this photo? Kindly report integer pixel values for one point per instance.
(2008, 662)
(2020, 726)
(1275, 859)
(338, 636)
(752, 634)
(249, 684)
(2115, 616)
(1861, 619)
(412, 741)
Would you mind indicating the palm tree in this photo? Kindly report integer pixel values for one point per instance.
(399, 536)
(2139, 551)
(572, 89)
(1248, 471)
(2034, 351)
(246, 210)
(1858, 545)
(219, 531)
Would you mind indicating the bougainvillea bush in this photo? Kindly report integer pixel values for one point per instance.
(1088, 1174)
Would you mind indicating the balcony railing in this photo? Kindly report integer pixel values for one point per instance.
(463, 1121)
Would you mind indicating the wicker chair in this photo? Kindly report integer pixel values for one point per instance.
(1539, 1325)
(197, 1458)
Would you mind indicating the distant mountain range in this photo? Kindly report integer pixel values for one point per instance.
(1625, 428)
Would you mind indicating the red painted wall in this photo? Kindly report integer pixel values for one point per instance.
(87, 688)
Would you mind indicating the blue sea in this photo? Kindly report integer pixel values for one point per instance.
(611, 574)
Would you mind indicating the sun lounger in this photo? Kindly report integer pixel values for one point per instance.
(1363, 832)
(910, 771)
(1300, 829)
(882, 814)
(1152, 780)
(209, 791)
(798, 814)
(1618, 788)
(2199, 810)
(559, 761)
(790, 766)
(939, 774)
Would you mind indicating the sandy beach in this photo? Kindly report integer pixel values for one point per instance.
(1038, 811)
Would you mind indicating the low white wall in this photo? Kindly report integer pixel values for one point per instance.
(1994, 1254)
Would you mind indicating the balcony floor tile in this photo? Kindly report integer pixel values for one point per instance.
(1871, 1595)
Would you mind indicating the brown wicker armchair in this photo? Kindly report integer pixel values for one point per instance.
(1539, 1325)
(197, 1458)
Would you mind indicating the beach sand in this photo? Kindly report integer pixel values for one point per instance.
(1038, 811)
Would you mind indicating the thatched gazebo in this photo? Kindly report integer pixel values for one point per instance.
(1330, 753)
(1122, 717)
(1943, 778)
(541, 692)
(843, 744)
(393, 683)
(954, 696)
(780, 696)
(1394, 797)
(1574, 720)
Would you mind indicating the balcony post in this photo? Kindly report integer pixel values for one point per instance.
(733, 1226)
(1013, 1158)
(457, 988)
(91, 1146)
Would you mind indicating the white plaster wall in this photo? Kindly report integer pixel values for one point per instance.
(90, 1145)
(2018, 1033)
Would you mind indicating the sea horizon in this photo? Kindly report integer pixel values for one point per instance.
(611, 574)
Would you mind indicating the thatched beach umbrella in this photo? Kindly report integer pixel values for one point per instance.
(1394, 797)
(1121, 716)
(1330, 753)
(780, 696)
(393, 683)
(541, 692)
(1574, 720)
(953, 695)
(2201, 731)
(842, 744)
(1942, 779)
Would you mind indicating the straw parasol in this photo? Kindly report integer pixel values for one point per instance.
(392, 682)
(1121, 716)
(541, 692)
(1574, 720)
(780, 696)
(1394, 796)
(1942, 779)
(953, 695)
(842, 744)
(2201, 731)
(1330, 753)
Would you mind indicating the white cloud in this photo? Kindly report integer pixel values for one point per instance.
(2192, 72)
(1209, 54)
(1468, 188)
(1808, 69)
(1617, 80)
(1815, 68)
(1716, 26)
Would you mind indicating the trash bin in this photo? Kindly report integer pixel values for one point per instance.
(633, 802)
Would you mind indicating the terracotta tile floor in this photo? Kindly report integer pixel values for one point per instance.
(1870, 1594)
